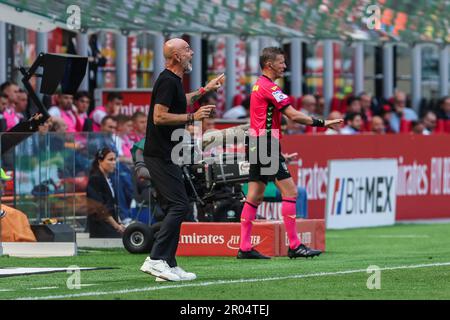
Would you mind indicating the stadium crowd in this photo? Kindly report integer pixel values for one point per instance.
(92, 128)
(362, 113)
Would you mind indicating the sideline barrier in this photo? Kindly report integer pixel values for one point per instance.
(268, 237)
(423, 190)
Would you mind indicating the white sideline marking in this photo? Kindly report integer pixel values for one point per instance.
(87, 285)
(399, 236)
(44, 288)
(219, 282)
(6, 290)
(387, 236)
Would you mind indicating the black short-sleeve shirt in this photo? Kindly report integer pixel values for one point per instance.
(168, 91)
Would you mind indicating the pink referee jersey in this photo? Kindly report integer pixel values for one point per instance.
(267, 101)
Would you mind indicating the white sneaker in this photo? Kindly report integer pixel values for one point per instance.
(159, 269)
(183, 274)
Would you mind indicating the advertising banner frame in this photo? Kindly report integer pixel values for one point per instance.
(373, 179)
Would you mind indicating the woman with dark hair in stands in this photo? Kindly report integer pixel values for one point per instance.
(103, 221)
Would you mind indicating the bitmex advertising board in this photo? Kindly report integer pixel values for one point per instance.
(361, 193)
(423, 181)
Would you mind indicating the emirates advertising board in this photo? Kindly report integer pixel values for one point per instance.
(361, 193)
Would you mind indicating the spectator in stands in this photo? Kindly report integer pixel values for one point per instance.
(11, 90)
(122, 140)
(309, 105)
(139, 126)
(444, 108)
(353, 122)
(103, 220)
(294, 127)
(365, 99)
(417, 127)
(386, 114)
(22, 104)
(334, 115)
(104, 138)
(377, 125)
(123, 175)
(429, 121)
(354, 105)
(237, 112)
(112, 108)
(3, 106)
(65, 110)
(58, 125)
(82, 101)
(401, 112)
(320, 107)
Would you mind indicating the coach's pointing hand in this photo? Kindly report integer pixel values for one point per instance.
(204, 112)
(215, 83)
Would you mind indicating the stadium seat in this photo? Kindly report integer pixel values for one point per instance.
(440, 126)
(336, 104)
(293, 101)
(443, 126)
(405, 126)
(237, 100)
(314, 130)
(299, 103)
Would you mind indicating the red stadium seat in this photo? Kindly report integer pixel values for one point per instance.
(335, 104)
(293, 101)
(237, 100)
(405, 126)
(440, 126)
(344, 105)
(391, 100)
(447, 126)
(299, 103)
(314, 130)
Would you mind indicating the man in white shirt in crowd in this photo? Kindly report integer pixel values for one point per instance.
(401, 111)
(353, 122)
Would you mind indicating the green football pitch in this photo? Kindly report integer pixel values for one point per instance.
(413, 262)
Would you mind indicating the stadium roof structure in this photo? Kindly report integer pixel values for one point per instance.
(387, 20)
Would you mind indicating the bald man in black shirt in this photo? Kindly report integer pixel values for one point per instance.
(167, 114)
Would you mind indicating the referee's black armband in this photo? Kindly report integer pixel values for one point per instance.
(318, 122)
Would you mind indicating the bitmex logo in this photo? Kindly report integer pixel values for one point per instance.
(353, 195)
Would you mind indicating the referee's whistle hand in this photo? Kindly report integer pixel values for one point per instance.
(334, 124)
(204, 112)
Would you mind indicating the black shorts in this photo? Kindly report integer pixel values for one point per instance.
(264, 171)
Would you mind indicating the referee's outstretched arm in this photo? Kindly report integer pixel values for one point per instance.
(300, 117)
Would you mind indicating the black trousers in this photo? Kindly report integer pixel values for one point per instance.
(168, 180)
